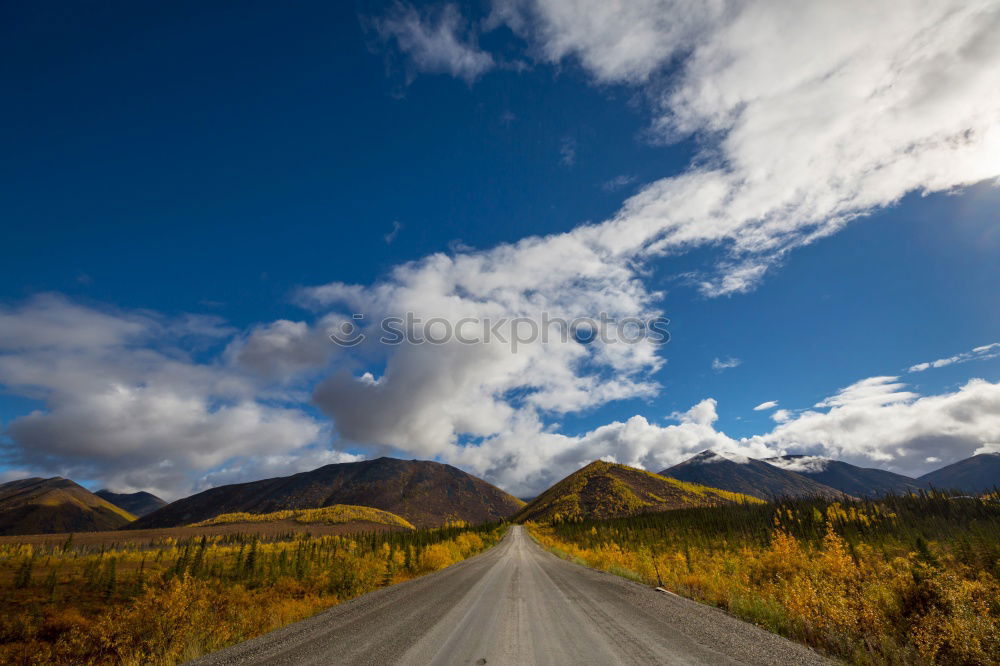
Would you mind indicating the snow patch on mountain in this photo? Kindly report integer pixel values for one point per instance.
(807, 464)
(709, 456)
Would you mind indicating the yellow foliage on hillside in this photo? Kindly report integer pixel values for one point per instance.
(605, 490)
(707, 492)
(328, 515)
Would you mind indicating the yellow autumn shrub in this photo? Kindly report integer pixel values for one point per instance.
(170, 600)
(868, 604)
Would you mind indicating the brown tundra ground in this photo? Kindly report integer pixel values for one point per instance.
(270, 529)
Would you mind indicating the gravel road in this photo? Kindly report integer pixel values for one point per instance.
(517, 604)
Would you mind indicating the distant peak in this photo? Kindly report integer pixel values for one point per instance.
(712, 456)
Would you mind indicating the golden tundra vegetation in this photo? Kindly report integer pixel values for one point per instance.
(337, 514)
(169, 600)
(904, 580)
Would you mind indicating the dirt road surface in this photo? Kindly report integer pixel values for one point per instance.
(518, 605)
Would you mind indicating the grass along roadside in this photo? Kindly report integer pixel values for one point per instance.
(173, 600)
(906, 581)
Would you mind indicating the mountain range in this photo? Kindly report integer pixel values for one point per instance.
(428, 493)
(748, 476)
(850, 479)
(423, 492)
(42, 506)
(803, 476)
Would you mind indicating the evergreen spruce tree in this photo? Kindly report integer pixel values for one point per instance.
(199, 557)
(22, 578)
(111, 578)
(140, 577)
(250, 565)
(51, 583)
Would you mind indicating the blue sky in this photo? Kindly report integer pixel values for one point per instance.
(163, 162)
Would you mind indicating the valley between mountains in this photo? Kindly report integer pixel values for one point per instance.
(793, 560)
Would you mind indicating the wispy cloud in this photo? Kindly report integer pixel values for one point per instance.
(436, 40)
(618, 182)
(567, 151)
(720, 364)
(976, 354)
(770, 404)
(871, 391)
(391, 236)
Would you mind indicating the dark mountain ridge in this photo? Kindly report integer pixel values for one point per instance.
(848, 478)
(975, 475)
(139, 504)
(748, 476)
(423, 492)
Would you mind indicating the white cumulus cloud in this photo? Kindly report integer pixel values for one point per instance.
(911, 436)
(121, 403)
